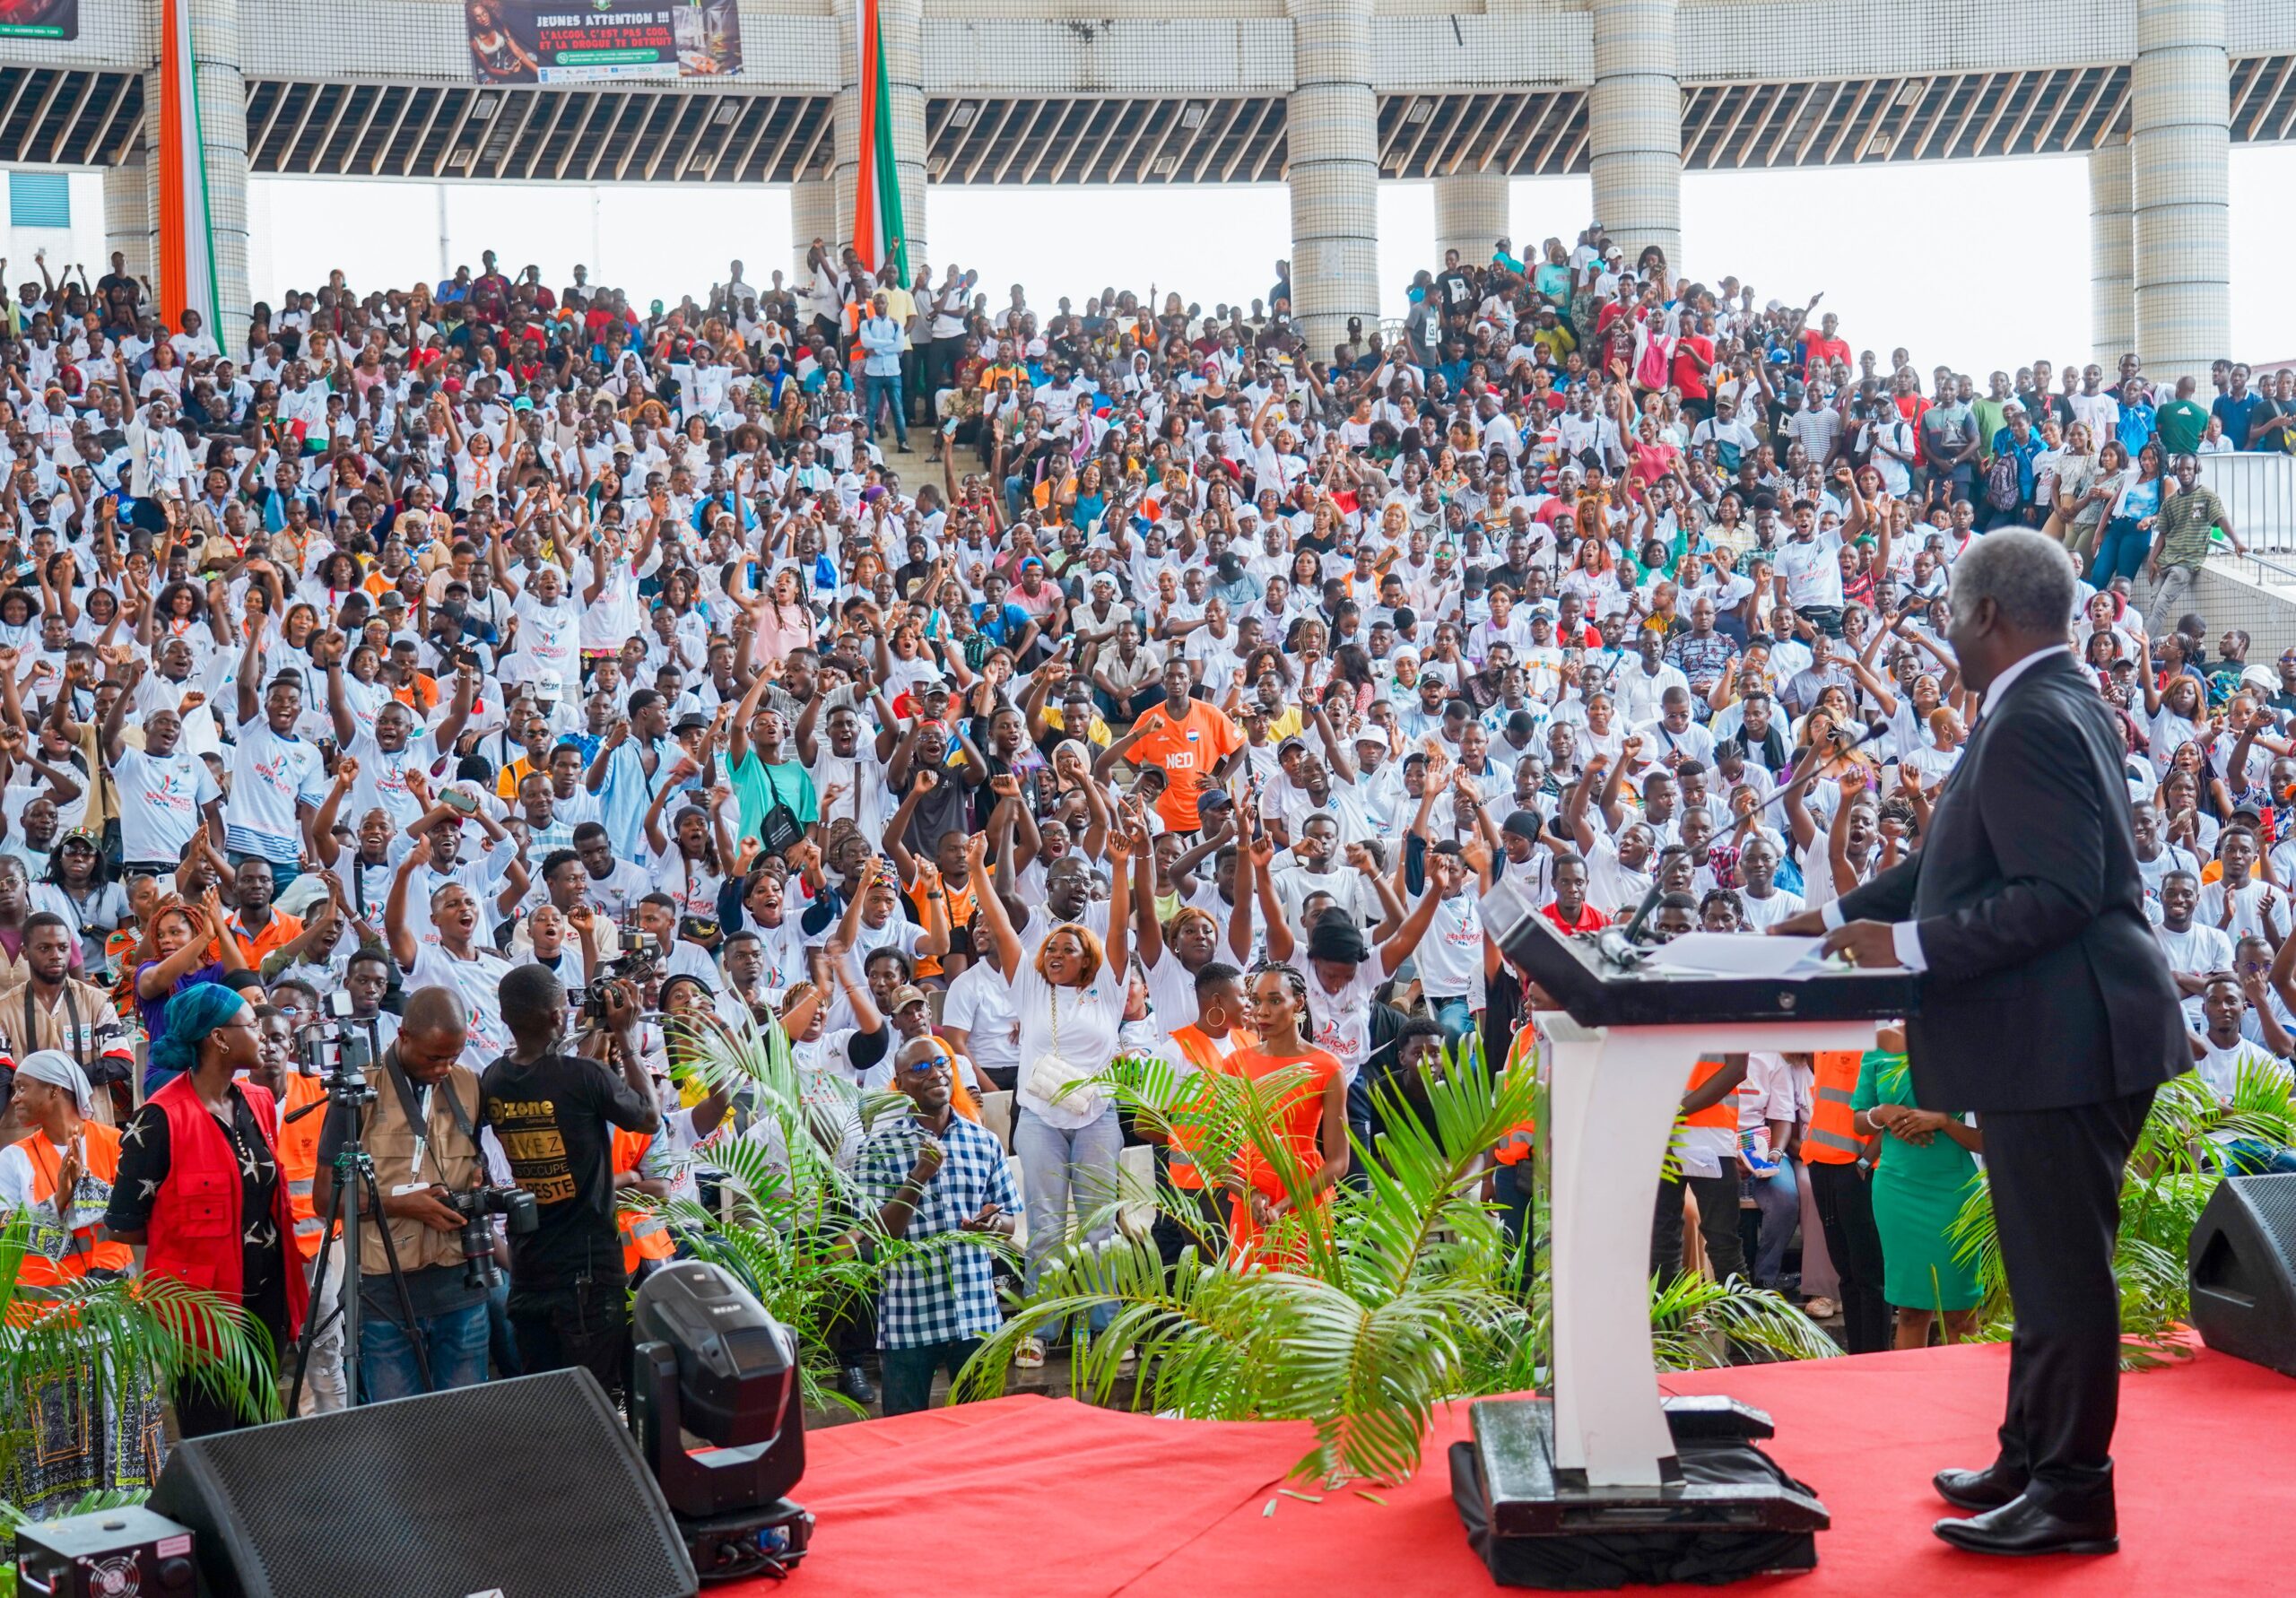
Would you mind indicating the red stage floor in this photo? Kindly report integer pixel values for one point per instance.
(1031, 1496)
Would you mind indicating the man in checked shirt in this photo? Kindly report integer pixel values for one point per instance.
(931, 1172)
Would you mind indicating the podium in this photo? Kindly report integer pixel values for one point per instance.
(1646, 1485)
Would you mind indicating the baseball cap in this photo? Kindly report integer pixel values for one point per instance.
(902, 997)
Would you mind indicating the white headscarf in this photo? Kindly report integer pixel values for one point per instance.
(58, 1070)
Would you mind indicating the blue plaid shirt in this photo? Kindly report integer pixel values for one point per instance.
(949, 1293)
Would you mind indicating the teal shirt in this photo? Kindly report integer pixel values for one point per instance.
(758, 787)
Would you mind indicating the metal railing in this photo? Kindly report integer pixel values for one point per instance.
(2259, 494)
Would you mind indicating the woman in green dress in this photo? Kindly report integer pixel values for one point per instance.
(1927, 1160)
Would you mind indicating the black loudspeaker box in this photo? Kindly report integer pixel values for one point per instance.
(2242, 1261)
(531, 1487)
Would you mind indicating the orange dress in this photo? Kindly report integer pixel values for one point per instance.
(1299, 1119)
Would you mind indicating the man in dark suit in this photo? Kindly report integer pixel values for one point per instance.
(2046, 1008)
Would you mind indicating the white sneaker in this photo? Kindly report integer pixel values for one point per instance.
(1030, 1355)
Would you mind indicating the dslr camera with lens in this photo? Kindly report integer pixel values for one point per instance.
(478, 1207)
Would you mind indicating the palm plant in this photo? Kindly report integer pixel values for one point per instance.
(1360, 1312)
(2172, 1172)
(797, 1230)
(120, 1337)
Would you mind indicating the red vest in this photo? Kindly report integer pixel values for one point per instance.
(196, 1221)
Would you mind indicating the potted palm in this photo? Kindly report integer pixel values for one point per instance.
(792, 1225)
(2171, 1172)
(104, 1348)
(1360, 1314)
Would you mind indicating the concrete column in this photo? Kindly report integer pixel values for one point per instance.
(1470, 215)
(1634, 127)
(224, 145)
(1332, 135)
(901, 35)
(2112, 258)
(129, 214)
(813, 214)
(2179, 143)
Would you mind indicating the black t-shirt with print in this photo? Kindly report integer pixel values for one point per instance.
(551, 1117)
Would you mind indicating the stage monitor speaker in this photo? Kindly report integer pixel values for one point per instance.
(2242, 1262)
(532, 1486)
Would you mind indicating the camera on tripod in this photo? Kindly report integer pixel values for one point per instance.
(335, 1047)
(641, 951)
(478, 1207)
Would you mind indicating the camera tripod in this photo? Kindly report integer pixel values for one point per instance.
(354, 1173)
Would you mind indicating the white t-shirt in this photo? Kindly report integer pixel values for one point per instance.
(159, 802)
(1450, 956)
(1084, 1021)
(269, 774)
(2200, 948)
(980, 1005)
(1342, 1022)
(381, 784)
(479, 981)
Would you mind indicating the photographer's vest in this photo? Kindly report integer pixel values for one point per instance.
(299, 1156)
(81, 1252)
(645, 1233)
(449, 1161)
(194, 1232)
(1832, 1137)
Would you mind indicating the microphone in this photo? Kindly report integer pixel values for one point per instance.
(1633, 934)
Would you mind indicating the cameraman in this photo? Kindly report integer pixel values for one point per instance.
(421, 1134)
(553, 1113)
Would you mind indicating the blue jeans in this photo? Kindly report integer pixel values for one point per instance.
(455, 1344)
(885, 390)
(909, 1372)
(2120, 551)
(1054, 1165)
(2253, 1157)
(1779, 1203)
(1454, 1016)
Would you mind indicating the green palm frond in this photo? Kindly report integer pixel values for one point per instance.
(1696, 1323)
(2172, 1170)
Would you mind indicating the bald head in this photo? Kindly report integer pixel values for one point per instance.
(430, 1011)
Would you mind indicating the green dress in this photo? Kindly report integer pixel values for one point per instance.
(1918, 1191)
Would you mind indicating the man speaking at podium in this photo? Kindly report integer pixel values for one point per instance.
(2046, 1008)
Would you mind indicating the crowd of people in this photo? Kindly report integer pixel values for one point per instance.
(424, 650)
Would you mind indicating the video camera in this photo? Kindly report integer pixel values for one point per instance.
(478, 1207)
(641, 951)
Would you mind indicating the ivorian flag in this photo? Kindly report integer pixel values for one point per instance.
(187, 262)
(877, 230)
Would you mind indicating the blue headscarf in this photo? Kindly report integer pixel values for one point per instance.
(191, 1016)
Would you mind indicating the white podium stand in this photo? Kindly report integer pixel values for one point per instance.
(1613, 1095)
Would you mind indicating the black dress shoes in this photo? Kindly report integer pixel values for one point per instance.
(1975, 1490)
(2023, 1526)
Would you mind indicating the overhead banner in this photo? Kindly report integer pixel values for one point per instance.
(590, 41)
(40, 19)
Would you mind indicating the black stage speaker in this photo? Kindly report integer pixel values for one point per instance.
(2242, 1262)
(531, 1487)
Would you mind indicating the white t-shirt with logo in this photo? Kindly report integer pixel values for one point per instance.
(479, 981)
(160, 801)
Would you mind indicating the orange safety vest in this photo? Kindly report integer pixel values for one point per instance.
(1724, 1113)
(1833, 1136)
(299, 1157)
(81, 1252)
(645, 1233)
(1203, 1052)
(1523, 1135)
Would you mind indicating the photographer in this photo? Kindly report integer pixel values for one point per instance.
(421, 1134)
(553, 1113)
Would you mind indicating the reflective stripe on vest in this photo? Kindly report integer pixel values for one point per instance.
(1831, 1137)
